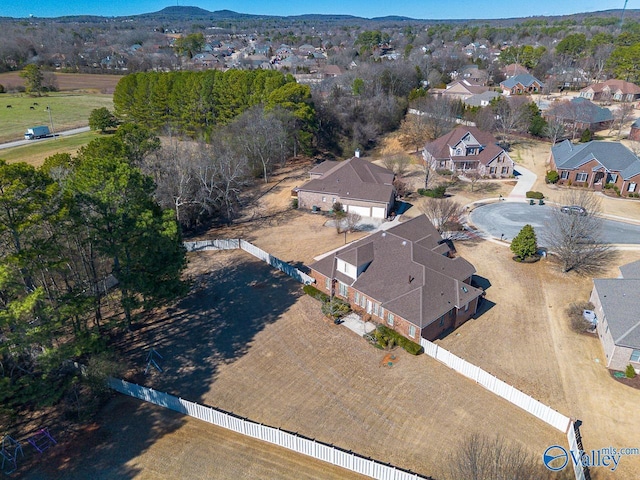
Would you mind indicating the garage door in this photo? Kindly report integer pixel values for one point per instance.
(378, 212)
(362, 211)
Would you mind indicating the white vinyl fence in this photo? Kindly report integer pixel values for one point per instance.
(572, 438)
(497, 386)
(292, 441)
(232, 244)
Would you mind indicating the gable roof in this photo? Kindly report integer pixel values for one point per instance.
(619, 299)
(525, 79)
(631, 270)
(579, 109)
(356, 179)
(479, 99)
(614, 86)
(613, 156)
(440, 147)
(407, 273)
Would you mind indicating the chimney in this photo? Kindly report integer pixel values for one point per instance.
(357, 153)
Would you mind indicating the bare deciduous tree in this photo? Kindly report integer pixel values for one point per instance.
(553, 130)
(621, 115)
(482, 458)
(444, 213)
(575, 236)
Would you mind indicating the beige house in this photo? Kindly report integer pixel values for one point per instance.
(359, 185)
(617, 303)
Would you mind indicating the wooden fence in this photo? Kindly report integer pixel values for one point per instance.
(292, 441)
(232, 244)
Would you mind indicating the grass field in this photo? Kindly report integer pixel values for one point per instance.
(66, 82)
(68, 110)
(35, 153)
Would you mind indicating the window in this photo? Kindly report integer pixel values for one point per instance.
(442, 321)
(493, 169)
(328, 284)
(381, 312)
(362, 301)
(391, 318)
(564, 175)
(344, 290)
(466, 307)
(505, 170)
(333, 200)
(375, 309)
(582, 177)
(324, 199)
(632, 187)
(356, 298)
(635, 356)
(412, 331)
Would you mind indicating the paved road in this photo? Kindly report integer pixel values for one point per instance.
(507, 218)
(18, 143)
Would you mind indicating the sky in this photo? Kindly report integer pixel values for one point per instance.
(419, 9)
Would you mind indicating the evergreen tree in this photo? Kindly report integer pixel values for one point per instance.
(525, 244)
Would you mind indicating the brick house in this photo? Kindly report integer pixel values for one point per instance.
(469, 149)
(359, 185)
(616, 305)
(578, 114)
(595, 164)
(405, 278)
(617, 90)
(521, 84)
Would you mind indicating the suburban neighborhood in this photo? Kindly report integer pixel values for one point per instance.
(319, 246)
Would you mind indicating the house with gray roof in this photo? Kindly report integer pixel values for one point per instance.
(481, 99)
(360, 186)
(596, 164)
(578, 114)
(617, 303)
(406, 278)
(521, 84)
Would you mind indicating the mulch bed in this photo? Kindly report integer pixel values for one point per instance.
(630, 382)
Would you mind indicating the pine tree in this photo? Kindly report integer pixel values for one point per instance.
(525, 244)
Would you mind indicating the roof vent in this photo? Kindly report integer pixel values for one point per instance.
(404, 242)
(384, 234)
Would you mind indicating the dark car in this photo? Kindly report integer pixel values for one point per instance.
(573, 210)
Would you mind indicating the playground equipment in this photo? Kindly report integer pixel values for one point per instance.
(151, 362)
(9, 452)
(41, 440)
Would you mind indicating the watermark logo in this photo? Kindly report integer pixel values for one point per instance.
(555, 457)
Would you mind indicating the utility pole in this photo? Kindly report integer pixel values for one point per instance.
(51, 121)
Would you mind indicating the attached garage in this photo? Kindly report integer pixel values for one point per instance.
(362, 211)
(378, 212)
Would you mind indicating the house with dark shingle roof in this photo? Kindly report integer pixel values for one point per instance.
(521, 84)
(595, 164)
(578, 114)
(359, 185)
(468, 149)
(617, 303)
(405, 278)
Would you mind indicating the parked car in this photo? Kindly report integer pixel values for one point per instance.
(573, 210)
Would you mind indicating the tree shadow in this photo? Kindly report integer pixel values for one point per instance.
(214, 325)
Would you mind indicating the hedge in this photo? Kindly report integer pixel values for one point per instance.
(315, 293)
(437, 192)
(536, 195)
(412, 347)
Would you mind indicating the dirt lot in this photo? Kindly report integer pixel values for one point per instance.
(533, 348)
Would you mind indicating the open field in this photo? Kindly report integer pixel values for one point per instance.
(66, 82)
(35, 153)
(532, 347)
(68, 110)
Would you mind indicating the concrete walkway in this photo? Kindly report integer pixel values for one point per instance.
(353, 322)
(526, 179)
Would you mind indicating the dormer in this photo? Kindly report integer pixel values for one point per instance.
(353, 262)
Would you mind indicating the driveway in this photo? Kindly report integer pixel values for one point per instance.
(505, 219)
(526, 179)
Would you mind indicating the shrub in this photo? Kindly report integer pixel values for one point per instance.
(438, 192)
(335, 309)
(391, 336)
(294, 203)
(569, 183)
(552, 176)
(536, 195)
(630, 372)
(337, 208)
(586, 136)
(444, 172)
(617, 190)
(315, 293)
(608, 186)
(575, 313)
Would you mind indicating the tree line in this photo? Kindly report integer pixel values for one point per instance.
(85, 248)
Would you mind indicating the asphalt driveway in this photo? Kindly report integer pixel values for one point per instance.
(507, 218)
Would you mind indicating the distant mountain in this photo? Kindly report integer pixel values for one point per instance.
(182, 11)
(179, 12)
